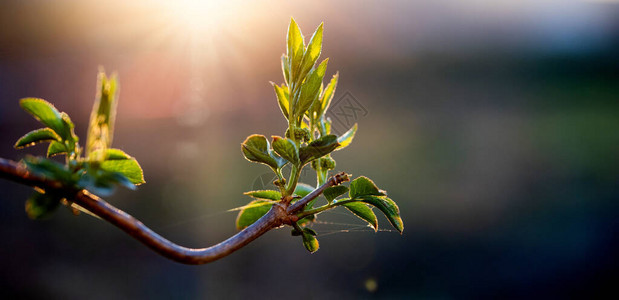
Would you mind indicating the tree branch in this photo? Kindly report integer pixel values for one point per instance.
(279, 215)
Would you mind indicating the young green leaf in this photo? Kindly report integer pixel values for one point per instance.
(286, 148)
(327, 94)
(346, 138)
(335, 191)
(309, 241)
(310, 231)
(46, 113)
(69, 126)
(303, 189)
(101, 128)
(129, 168)
(103, 182)
(256, 149)
(363, 186)
(252, 212)
(310, 90)
(49, 169)
(318, 148)
(295, 48)
(364, 212)
(312, 52)
(56, 148)
(36, 136)
(388, 207)
(286, 68)
(116, 154)
(282, 98)
(40, 205)
(265, 194)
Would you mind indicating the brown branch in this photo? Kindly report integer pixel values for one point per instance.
(279, 215)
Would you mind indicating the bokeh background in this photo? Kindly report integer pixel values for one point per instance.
(493, 124)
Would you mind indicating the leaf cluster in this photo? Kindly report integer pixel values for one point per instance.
(98, 168)
(304, 101)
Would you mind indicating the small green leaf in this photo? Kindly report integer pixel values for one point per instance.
(346, 138)
(37, 136)
(364, 212)
(256, 149)
(252, 212)
(49, 169)
(310, 242)
(312, 52)
(116, 154)
(40, 206)
(310, 89)
(310, 231)
(295, 48)
(101, 128)
(282, 98)
(286, 148)
(318, 148)
(46, 113)
(363, 186)
(56, 148)
(111, 154)
(265, 194)
(388, 207)
(327, 94)
(130, 168)
(286, 68)
(335, 191)
(103, 182)
(303, 189)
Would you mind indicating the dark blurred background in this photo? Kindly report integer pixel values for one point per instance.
(493, 124)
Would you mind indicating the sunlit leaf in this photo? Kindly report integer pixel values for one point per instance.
(364, 212)
(46, 113)
(318, 148)
(303, 189)
(311, 88)
(36, 136)
(286, 148)
(130, 168)
(56, 148)
(388, 207)
(327, 94)
(363, 186)
(252, 212)
(310, 231)
(265, 194)
(111, 154)
(256, 148)
(312, 52)
(282, 98)
(49, 169)
(346, 138)
(103, 182)
(310, 242)
(334, 192)
(101, 127)
(295, 48)
(286, 68)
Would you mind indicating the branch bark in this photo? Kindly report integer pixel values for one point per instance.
(280, 214)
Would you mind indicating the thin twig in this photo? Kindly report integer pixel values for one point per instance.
(279, 215)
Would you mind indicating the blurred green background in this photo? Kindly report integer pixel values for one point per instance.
(493, 124)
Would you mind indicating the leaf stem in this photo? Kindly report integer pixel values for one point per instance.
(323, 208)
